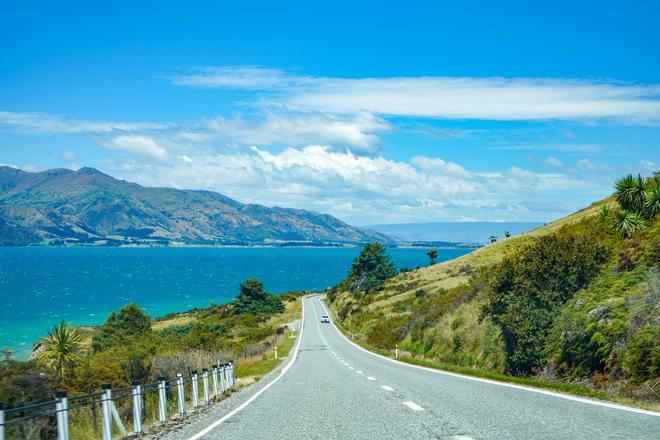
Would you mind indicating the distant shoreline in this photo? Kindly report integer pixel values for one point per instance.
(254, 246)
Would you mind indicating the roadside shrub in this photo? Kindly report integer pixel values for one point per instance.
(527, 291)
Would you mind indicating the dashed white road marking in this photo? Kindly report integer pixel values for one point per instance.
(351, 368)
(413, 405)
(461, 437)
(502, 384)
(359, 372)
(386, 388)
(371, 378)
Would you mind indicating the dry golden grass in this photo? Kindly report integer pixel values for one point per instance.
(180, 319)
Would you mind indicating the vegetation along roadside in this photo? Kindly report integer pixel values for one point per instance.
(130, 345)
(573, 305)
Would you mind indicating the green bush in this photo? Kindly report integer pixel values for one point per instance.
(252, 298)
(528, 290)
(120, 328)
(370, 269)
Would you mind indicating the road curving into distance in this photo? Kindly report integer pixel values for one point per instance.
(333, 389)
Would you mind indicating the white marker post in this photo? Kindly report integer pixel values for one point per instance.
(137, 406)
(62, 416)
(162, 400)
(106, 401)
(205, 385)
(181, 396)
(214, 375)
(195, 390)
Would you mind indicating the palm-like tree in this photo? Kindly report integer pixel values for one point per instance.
(604, 211)
(432, 254)
(631, 192)
(627, 223)
(62, 348)
(507, 234)
(652, 203)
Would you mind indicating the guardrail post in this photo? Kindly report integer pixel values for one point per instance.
(223, 379)
(214, 374)
(162, 400)
(62, 409)
(231, 374)
(195, 390)
(106, 400)
(2, 421)
(205, 385)
(179, 390)
(137, 406)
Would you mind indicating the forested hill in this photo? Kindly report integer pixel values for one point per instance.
(86, 206)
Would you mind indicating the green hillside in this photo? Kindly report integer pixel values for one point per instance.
(576, 301)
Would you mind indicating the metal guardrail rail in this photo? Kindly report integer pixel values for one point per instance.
(214, 383)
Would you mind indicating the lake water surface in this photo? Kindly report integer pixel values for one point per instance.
(40, 286)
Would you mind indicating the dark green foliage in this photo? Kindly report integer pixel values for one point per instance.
(528, 290)
(432, 254)
(630, 193)
(22, 382)
(642, 359)
(627, 223)
(252, 298)
(129, 324)
(370, 269)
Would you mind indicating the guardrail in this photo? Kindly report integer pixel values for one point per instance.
(132, 406)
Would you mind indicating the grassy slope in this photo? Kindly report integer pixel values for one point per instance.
(457, 271)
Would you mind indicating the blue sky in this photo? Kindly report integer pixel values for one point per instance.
(374, 112)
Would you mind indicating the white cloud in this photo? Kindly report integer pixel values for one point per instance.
(51, 123)
(135, 144)
(293, 129)
(554, 162)
(586, 164)
(69, 155)
(363, 189)
(492, 98)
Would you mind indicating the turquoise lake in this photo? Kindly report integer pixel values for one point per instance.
(41, 286)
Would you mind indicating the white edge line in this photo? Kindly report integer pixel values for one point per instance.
(236, 410)
(502, 384)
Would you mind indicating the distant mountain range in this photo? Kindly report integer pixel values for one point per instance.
(453, 232)
(62, 206)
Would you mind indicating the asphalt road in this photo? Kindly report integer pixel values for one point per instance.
(335, 390)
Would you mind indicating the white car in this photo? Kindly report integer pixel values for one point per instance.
(325, 318)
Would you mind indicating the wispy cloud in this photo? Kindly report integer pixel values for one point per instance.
(52, 123)
(358, 131)
(493, 98)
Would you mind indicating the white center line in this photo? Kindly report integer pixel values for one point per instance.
(386, 388)
(359, 372)
(371, 378)
(351, 368)
(461, 437)
(413, 406)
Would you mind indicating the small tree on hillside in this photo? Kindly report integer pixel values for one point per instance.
(370, 269)
(493, 238)
(432, 254)
(252, 298)
(507, 234)
(130, 323)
